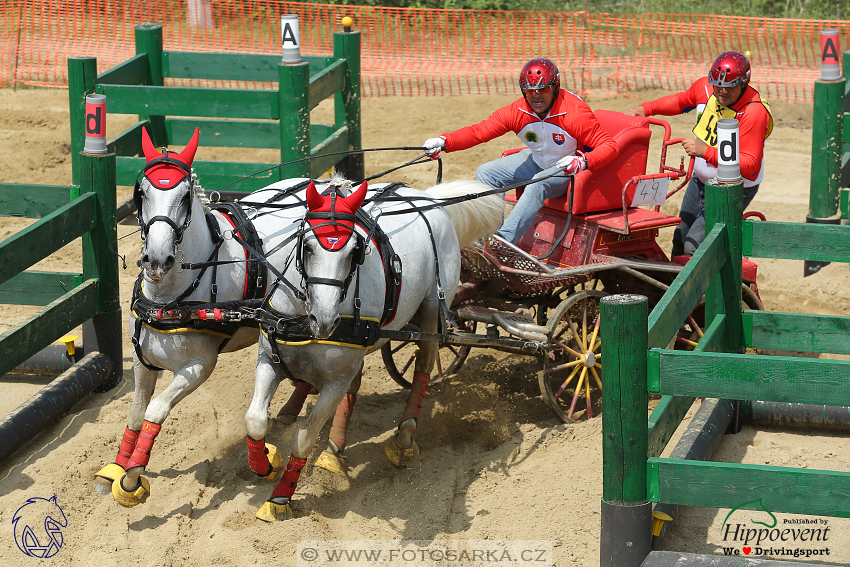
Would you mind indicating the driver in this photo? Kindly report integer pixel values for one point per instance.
(559, 129)
(724, 93)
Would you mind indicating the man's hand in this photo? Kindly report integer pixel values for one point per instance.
(434, 146)
(572, 165)
(694, 147)
(636, 111)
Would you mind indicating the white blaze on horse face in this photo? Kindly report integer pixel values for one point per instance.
(323, 299)
(160, 252)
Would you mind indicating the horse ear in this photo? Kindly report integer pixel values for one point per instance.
(355, 200)
(188, 153)
(314, 200)
(147, 146)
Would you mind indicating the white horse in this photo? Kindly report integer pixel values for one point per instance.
(170, 210)
(347, 286)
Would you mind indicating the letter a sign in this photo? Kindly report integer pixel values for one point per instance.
(290, 39)
(829, 50)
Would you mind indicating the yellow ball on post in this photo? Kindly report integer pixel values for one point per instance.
(346, 23)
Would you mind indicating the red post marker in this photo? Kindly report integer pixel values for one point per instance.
(95, 124)
(830, 59)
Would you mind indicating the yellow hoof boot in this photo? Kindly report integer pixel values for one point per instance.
(273, 512)
(132, 497)
(275, 459)
(104, 478)
(401, 456)
(333, 463)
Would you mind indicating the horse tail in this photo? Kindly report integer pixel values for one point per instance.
(474, 218)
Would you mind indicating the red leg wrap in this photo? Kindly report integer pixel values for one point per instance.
(340, 424)
(414, 399)
(296, 401)
(125, 450)
(289, 480)
(257, 456)
(142, 450)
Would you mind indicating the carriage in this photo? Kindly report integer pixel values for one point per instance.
(541, 297)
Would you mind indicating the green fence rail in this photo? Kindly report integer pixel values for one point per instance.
(67, 300)
(235, 118)
(638, 363)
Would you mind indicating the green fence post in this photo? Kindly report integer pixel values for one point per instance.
(724, 203)
(293, 91)
(149, 41)
(626, 535)
(103, 331)
(82, 73)
(347, 103)
(845, 157)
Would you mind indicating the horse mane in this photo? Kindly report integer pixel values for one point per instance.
(199, 192)
(475, 218)
(338, 180)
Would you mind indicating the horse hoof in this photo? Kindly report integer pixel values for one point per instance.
(104, 478)
(274, 512)
(401, 456)
(132, 497)
(286, 419)
(333, 463)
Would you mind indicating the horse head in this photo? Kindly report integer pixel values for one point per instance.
(163, 195)
(330, 251)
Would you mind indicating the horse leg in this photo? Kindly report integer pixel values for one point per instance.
(401, 449)
(289, 412)
(332, 458)
(264, 459)
(132, 488)
(278, 506)
(145, 382)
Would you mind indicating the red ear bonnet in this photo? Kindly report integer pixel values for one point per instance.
(166, 176)
(334, 236)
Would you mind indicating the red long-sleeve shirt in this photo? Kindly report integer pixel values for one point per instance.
(753, 119)
(570, 125)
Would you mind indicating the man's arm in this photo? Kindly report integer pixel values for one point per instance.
(674, 104)
(587, 131)
(500, 122)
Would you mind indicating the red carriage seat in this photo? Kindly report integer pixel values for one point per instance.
(603, 190)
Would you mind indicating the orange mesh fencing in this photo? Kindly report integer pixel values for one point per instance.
(425, 52)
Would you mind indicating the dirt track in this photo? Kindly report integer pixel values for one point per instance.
(495, 462)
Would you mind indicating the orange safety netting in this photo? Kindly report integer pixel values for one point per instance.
(425, 52)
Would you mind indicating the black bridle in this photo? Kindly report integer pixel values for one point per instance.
(138, 196)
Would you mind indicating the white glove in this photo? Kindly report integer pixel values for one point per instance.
(572, 165)
(434, 146)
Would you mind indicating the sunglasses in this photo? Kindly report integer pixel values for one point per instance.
(542, 90)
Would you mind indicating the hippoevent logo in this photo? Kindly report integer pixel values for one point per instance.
(765, 536)
(38, 527)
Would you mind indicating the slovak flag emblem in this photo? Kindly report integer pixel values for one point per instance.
(559, 138)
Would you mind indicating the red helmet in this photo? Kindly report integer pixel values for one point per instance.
(539, 73)
(730, 69)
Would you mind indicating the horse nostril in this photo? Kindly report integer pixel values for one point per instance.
(168, 264)
(146, 259)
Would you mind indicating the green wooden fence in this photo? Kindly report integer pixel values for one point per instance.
(67, 299)
(235, 118)
(638, 362)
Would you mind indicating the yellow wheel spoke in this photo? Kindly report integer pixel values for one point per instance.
(595, 332)
(575, 333)
(568, 349)
(565, 366)
(596, 377)
(566, 382)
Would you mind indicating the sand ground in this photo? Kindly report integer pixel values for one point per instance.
(496, 464)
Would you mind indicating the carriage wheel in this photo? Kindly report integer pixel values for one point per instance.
(571, 367)
(400, 357)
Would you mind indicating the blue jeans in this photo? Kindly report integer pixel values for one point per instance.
(691, 232)
(514, 169)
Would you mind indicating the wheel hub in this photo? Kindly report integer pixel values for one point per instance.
(589, 359)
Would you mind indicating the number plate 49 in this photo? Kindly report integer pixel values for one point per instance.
(651, 192)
